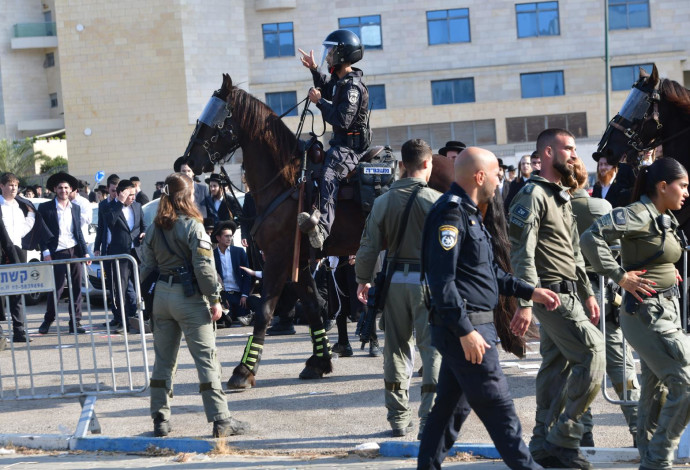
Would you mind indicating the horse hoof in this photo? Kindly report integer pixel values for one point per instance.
(241, 380)
(310, 373)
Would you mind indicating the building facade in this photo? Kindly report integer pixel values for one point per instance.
(135, 75)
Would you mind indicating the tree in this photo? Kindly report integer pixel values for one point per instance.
(54, 165)
(19, 157)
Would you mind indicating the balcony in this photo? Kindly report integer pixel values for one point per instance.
(34, 36)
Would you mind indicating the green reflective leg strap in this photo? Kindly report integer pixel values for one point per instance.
(252, 354)
(428, 388)
(320, 343)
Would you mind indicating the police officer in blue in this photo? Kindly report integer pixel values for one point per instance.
(343, 100)
(465, 282)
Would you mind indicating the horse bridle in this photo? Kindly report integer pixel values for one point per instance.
(633, 129)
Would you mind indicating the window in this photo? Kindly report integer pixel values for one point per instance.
(528, 128)
(481, 133)
(627, 14)
(278, 40)
(368, 28)
(623, 77)
(377, 97)
(53, 100)
(49, 61)
(448, 26)
(460, 90)
(537, 85)
(282, 101)
(537, 19)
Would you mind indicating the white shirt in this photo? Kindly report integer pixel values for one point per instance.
(216, 204)
(86, 213)
(129, 217)
(229, 282)
(16, 224)
(66, 237)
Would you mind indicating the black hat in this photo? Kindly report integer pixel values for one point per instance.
(452, 145)
(511, 168)
(501, 164)
(61, 177)
(214, 177)
(225, 225)
(178, 164)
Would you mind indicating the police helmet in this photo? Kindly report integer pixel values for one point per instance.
(342, 46)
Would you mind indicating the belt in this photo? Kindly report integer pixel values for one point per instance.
(414, 267)
(668, 293)
(563, 287)
(480, 318)
(169, 278)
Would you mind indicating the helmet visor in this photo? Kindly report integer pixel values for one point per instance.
(327, 57)
(214, 112)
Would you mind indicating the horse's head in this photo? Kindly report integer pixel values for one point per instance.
(636, 127)
(213, 136)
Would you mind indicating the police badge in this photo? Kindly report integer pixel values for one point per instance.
(448, 236)
(353, 95)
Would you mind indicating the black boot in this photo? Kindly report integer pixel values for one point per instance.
(45, 326)
(569, 458)
(229, 427)
(19, 336)
(374, 349)
(587, 439)
(281, 328)
(80, 330)
(161, 427)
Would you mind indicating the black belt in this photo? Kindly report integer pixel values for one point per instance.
(480, 318)
(169, 278)
(563, 287)
(414, 267)
(668, 293)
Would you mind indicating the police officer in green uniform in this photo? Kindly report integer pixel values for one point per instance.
(651, 317)
(405, 310)
(619, 368)
(545, 248)
(181, 250)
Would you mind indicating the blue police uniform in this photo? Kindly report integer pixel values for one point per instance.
(465, 282)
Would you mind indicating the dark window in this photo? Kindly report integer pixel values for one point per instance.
(377, 96)
(537, 19)
(536, 85)
(459, 90)
(528, 128)
(627, 14)
(49, 61)
(368, 28)
(278, 40)
(623, 77)
(53, 100)
(282, 101)
(448, 26)
(436, 135)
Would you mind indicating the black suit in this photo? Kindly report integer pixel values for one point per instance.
(49, 213)
(100, 244)
(141, 198)
(515, 186)
(620, 192)
(122, 241)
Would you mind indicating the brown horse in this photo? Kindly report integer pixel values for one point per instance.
(656, 112)
(234, 119)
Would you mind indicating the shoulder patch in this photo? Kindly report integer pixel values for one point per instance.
(529, 187)
(620, 217)
(447, 236)
(205, 242)
(353, 95)
(521, 212)
(517, 222)
(454, 200)
(605, 220)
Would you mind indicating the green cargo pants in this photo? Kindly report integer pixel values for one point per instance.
(572, 357)
(173, 315)
(654, 330)
(619, 370)
(404, 313)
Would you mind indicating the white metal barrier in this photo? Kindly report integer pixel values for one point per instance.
(102, 364)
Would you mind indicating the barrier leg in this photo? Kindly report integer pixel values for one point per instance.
(88, 420)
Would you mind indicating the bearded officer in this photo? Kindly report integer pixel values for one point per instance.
(465, 282)
(545, 248)
(344, 102)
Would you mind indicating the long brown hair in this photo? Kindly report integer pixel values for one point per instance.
(176, 198)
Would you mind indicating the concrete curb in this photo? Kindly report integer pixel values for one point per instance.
(140, 444)
(37, 441)
(488, 451)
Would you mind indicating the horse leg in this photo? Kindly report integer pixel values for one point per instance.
(320, 361)
(243, 376)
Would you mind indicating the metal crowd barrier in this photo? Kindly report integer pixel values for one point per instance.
(103, 363)
(602, 325)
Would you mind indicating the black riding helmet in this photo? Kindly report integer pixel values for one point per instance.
(342, 46)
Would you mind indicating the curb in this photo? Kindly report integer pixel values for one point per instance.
(141, 444)
(488, 451)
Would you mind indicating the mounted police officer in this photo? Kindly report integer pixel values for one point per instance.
(344, 102)
(465, 281)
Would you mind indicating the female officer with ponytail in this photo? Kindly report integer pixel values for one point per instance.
(651, 317)
(186, 301)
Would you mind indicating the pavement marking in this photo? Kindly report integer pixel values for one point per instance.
(529, 366)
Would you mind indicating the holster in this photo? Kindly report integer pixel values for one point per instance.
(631, 303)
